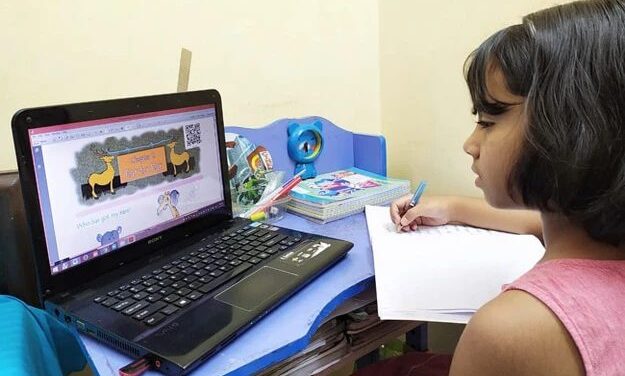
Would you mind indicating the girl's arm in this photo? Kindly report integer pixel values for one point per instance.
(477, 212)
(440, 210)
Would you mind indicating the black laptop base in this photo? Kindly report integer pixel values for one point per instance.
(180, 309)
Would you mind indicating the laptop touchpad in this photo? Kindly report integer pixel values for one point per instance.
(257, 288)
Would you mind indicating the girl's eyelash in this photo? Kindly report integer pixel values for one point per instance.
(485, 124)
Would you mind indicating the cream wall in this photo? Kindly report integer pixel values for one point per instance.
(425, 103)
(374, 66)
(269, 59)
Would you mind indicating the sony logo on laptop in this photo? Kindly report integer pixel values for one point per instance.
(155, 239)
(168, 329)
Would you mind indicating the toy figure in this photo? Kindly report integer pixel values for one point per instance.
(304, 145)
(109, 236)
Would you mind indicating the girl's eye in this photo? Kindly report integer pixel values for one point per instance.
(485, 124)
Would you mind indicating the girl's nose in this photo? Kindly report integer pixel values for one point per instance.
(471, 145)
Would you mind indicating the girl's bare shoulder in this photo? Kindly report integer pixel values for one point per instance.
(516, 334)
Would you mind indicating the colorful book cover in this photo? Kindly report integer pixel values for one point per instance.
(342, 185)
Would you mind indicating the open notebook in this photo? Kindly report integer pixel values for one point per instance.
(443, 273)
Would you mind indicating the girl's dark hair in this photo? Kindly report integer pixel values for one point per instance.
(569, 63)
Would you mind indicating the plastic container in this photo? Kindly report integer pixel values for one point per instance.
(271, 213)
(246, 196)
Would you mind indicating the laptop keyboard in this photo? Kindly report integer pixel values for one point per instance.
(151, 297)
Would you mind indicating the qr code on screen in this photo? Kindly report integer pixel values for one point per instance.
(192, 135)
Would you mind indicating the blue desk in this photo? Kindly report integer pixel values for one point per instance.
(288, 328)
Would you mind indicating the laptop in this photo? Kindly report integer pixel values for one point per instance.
(134, 240)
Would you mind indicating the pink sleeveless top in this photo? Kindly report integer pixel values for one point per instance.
(588, 296)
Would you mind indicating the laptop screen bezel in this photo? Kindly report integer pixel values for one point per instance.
(25, 120)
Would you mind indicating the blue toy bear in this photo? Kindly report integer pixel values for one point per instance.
(304, 145)
(110, 236)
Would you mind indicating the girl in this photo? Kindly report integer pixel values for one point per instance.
(549, 95)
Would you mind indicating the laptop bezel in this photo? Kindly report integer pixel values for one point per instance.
(32, 118)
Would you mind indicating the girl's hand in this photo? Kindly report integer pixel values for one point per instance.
(430, 211)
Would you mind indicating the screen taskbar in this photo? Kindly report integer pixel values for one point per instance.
(62, 265)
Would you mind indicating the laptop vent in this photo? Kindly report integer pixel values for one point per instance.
(119, 344)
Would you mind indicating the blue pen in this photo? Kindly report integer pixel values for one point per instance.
(418, 193)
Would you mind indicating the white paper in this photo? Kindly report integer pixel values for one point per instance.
(430, 316)
(443, 272)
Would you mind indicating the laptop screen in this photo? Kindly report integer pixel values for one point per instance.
(107, 183)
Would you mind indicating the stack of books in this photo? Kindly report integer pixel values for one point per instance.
(351, 331)
(335, 195)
